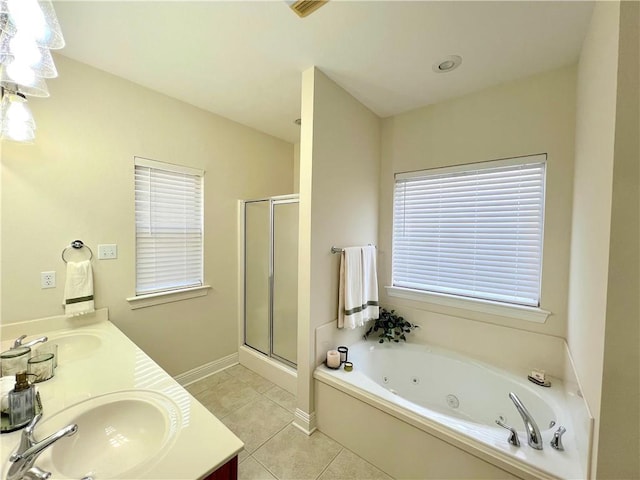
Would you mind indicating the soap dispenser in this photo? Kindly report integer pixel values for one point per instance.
(21, 401)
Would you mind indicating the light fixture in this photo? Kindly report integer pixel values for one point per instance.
(36, 18)
(21, 53)
(29, 29)
(16, 120)
(447, 64)
(33, 86)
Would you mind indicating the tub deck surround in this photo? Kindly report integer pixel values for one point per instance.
(456, 400)
(95, 358)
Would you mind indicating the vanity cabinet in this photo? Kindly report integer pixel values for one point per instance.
(228, 471)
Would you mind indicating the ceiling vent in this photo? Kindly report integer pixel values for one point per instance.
(305, 7)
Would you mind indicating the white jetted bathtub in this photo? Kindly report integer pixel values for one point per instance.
(453, 402)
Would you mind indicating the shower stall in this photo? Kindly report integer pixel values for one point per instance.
(271, 278)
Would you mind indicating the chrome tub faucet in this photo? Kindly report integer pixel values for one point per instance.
(29, 450)
(533, 432)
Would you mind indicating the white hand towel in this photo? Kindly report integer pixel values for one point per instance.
(78, 289)
(358, 289)
(369, 284)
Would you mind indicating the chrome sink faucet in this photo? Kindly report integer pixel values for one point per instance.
(533, 432)
(29, 449)
(18, 341)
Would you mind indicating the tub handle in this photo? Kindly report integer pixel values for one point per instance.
(556, 441)
(513, 436)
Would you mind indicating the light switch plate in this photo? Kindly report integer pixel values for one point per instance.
(107, 251)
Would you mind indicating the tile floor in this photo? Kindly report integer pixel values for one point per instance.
(260, 413)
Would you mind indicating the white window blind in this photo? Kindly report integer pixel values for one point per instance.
(473, 231)
(169, 226)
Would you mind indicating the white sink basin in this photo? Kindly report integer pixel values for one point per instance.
(120, 435)
(76, 346)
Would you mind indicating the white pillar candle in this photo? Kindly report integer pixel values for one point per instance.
(333, 359)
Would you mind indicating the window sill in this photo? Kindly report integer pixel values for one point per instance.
(142, 301)
(520, 312)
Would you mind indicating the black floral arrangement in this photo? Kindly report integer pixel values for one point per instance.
(391, 327)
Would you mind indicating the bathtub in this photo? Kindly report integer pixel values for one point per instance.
(449, 404)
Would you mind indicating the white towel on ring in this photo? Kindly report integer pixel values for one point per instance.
(358, 288)
(78, 289)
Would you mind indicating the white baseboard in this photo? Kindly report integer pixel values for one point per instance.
(207, 369)
(305, 421)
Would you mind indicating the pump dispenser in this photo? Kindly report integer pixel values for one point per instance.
(21, 401)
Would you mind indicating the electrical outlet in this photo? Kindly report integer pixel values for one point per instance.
(107, 252)
(47, 279)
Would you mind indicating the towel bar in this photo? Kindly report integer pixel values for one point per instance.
(77, 244)
(340, 250)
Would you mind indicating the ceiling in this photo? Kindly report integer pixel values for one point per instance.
(243, 60)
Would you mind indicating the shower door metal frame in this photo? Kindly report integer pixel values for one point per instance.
(277, 200)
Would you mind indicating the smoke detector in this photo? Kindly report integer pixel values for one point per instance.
(305, 7)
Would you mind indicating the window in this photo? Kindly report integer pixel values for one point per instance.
(471, 231)
(169, 227)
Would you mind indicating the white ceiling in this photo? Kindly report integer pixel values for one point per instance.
(243, 60)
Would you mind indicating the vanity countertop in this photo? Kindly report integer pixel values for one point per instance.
(96, 358)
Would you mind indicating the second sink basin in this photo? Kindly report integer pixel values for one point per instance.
(75, 346)
(120, 435)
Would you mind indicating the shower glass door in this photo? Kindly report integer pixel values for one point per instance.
(271, 277)
(257, 272)
(285, 281)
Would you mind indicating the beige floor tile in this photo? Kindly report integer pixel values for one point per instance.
(348, 466)
(282, 398)
(250, 469)
(245, 375)
(292, 454)
(257, 422)
(207, 383)
(242, 456)
(227, 397)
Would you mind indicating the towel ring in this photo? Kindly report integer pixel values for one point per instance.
(77, 244)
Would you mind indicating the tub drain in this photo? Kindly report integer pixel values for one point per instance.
(453, 401)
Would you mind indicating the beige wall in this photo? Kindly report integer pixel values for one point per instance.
(619, 434)
(77, 182)
(603, 303)
(528, 116)
(595, 135)
(296, 167)
(339, 175)
(595, 130)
